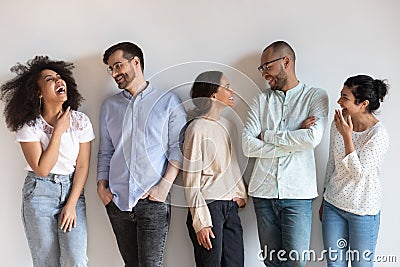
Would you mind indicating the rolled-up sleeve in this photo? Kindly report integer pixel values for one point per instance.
(106, 148)
(176, 124)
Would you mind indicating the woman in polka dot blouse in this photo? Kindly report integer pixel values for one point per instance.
(352, 195)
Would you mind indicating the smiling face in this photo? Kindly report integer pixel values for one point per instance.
(274, 72)
(224, 94)
(123, 70)
(52, 88)
(347, 102)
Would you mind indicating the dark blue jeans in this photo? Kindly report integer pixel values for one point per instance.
(284, 228)
(227, 246)
(141, 233)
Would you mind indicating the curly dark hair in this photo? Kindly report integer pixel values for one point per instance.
(21, 94)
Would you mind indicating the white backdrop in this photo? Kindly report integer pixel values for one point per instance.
(332, 39)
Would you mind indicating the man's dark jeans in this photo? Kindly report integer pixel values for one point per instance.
(141, 233)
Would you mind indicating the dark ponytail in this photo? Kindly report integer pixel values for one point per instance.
(205, 85)
(381, 87)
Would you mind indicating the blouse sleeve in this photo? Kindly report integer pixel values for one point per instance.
(27, 134)
(369, 157)
(85, 129)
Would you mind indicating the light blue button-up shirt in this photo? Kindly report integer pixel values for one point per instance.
(138, 136)
(285, 164)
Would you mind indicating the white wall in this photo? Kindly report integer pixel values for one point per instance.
(333, 40)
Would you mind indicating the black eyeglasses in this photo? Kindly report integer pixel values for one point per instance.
(265, 67)
(117, 66)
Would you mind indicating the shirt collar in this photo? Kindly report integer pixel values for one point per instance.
(142, 94)
(290, 92)
(295, 89)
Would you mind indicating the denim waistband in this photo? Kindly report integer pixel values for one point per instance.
(52, 176)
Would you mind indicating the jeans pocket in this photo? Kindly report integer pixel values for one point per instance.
(110, 209)
(28, 190)
(107, 206)
(155, 201)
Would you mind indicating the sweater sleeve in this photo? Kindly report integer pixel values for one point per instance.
(192, 172)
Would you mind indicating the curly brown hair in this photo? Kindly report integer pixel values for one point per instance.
(20, 94)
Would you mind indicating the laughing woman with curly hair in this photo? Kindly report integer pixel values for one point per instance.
(40, 106)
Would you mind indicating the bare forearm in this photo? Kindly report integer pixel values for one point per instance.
(49, 157)
(80, 178)
(172, 171)
(160, 191)
(81, 172)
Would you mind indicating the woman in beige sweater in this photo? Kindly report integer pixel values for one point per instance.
(214, 186)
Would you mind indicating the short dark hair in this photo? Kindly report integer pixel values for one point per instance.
(283, 48)
(129, 51)
(21, 94)
(365, 87)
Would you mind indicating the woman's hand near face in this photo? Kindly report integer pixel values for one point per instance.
(63, 121)
(42, 161)
(344, 127)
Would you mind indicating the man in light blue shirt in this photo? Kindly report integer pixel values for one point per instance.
(283, 126)
(139, 157)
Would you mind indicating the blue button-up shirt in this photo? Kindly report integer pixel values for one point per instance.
(138, 136)
(285, 164)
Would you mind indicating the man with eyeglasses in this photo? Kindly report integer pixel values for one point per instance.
(283, 126)
(139, 157)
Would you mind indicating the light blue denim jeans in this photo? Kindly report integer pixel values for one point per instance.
(349, 237)
(43, 200)
(284, 228)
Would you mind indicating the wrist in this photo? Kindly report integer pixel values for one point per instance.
(57, 132)
(166, 180)
(102, 184)
(71, 202)
(165, 184)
